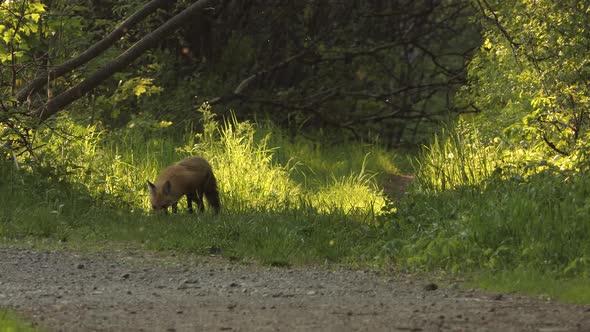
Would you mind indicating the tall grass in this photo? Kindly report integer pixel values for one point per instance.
(459, 156)
(493, 206)
(275, 208)
(53, 212)
(114, 167)
(456, 157)
(247, 173)
(476, 204)
(10, 322)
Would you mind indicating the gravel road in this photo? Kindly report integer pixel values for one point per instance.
(126, 290)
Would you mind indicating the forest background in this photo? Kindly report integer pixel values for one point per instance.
(314, 115)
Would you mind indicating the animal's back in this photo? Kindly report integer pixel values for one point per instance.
(186, 176)
(195, 163)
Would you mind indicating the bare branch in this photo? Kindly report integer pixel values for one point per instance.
(553, 147)
(243, 85)
(91, 52)
(496, 20)
(67, 97)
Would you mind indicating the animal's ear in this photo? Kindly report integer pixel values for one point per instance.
(167, 188)
(151, 185)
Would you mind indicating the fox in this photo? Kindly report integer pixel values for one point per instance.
(192, 177)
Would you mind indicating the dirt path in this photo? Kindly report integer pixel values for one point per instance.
(137, 291)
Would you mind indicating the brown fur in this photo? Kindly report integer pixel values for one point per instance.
(191, 177)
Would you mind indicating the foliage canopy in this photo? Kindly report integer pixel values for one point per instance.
(530, 76)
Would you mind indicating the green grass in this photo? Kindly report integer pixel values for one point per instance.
(511, 209)
(257, 167)
(515, 216)
(540, 224)
(535, 283)
(270, 239)
(11, 322)
(488, 208)
(275, 208)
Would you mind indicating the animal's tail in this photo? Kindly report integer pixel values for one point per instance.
(211, 193)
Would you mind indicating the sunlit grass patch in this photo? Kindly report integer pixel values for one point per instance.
(498, 207)
(11, 322)
(283, 206)
(460, 156)
(252, 176)
(248, 177)
(454, 159)
(355, 194)
(275, 207)
(257, 167)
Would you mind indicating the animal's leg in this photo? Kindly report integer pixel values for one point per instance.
(189, 201)
(199, 201)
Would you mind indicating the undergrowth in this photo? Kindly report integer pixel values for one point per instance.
(477, 207)
(250, 175)
(276, 209)
(493, 208)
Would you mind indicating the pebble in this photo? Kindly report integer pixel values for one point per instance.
(430, 287)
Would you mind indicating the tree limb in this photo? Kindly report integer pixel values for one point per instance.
(553, 147)
(496, 21)
(67, 97)
(90, 53)
(250, 79)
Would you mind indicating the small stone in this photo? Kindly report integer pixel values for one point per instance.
(430, 287)
(80, 266)
(311, 292)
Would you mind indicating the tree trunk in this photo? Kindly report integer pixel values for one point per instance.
(62, 100)
(91, 52)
